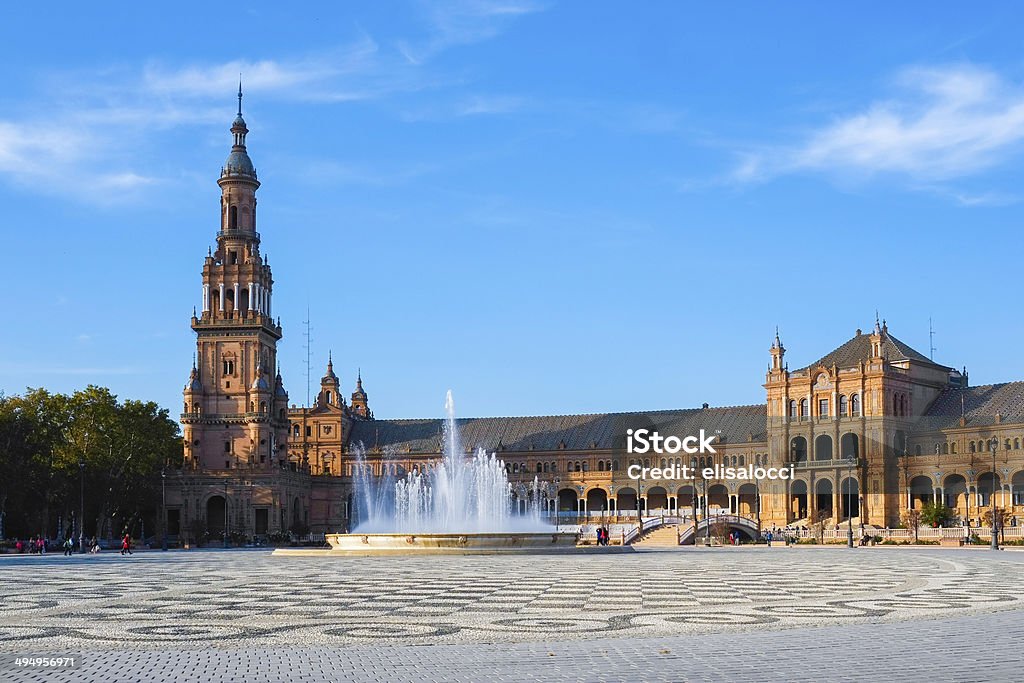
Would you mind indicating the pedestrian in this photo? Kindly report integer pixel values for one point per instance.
(68, 546)
(126, 544)
(17, 545)
(769, 537)
(94, 545)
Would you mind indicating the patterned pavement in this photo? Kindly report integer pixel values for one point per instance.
(249, 616)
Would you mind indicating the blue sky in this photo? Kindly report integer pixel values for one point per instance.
(547, 207)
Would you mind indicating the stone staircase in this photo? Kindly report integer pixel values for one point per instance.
(661, 537)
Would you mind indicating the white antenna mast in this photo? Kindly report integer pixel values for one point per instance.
(931, 340)
(308, 334)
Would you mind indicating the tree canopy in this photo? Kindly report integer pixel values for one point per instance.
(57, 450)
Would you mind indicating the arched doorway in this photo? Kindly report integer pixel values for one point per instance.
(988, 483)
(798, 499)
(955, 488)
(798, 449)
(748, 500)
(823, 498)
(597, 500)
(215, 515)
(849, 446)
(1017, 484)
(823, 447)
(850, 497)
(685, 499)
(718, 497)
(625, 501)
(921, 492)
(657, 499)
(567, 501)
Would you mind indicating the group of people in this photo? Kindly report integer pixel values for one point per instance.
(39, 545)
(33, 546)
(602, 535)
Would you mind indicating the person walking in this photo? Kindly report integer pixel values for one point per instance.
(69, 547)
(126, 544)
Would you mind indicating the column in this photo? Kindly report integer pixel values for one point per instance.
(238, 304)
(252, 295)
(269, 297)
(206, 298)
(222, 297)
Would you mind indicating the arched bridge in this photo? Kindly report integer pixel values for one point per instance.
(735, 522)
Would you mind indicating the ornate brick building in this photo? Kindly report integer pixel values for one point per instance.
(871, 428)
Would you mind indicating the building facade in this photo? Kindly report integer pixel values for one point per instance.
(871, 429)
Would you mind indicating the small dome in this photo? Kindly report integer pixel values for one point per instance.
(260, 383)
(193, 383)
(239, 163)
(239, 122)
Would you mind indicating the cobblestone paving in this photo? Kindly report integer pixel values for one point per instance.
(728, 614)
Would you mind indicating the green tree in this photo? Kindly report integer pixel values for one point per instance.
(912, 520)
(937, 514)
(54, 448)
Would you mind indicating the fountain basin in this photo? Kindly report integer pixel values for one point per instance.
(450, 543)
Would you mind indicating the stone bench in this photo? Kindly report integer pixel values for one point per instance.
(954, 542)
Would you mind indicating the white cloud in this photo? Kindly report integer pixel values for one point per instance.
(463, 22)
(310, 76)
(943, 123)
(489, 104)
(94, 126)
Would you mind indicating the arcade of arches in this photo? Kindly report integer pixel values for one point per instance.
(871, 428)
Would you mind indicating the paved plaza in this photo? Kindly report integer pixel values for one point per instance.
(690, 614)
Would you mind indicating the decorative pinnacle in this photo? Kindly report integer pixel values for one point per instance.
(239, 94)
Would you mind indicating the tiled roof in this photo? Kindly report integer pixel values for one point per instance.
(980, 405)
(569, 432)
(858, 349)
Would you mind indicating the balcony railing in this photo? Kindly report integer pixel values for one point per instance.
(827, 464)
(238, 233)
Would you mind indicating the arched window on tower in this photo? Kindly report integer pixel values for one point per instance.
(855, 405)
(233, 218)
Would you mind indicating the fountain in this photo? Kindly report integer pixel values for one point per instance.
(457, 505)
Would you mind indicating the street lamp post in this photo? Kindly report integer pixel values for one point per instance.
(707, 512)
(639, 511)
(849, 509)
(81, 505)
(163, 507)
(693, 497)
(994, 543)
(225, 512)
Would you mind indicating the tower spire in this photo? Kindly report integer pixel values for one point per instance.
(239, 94)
